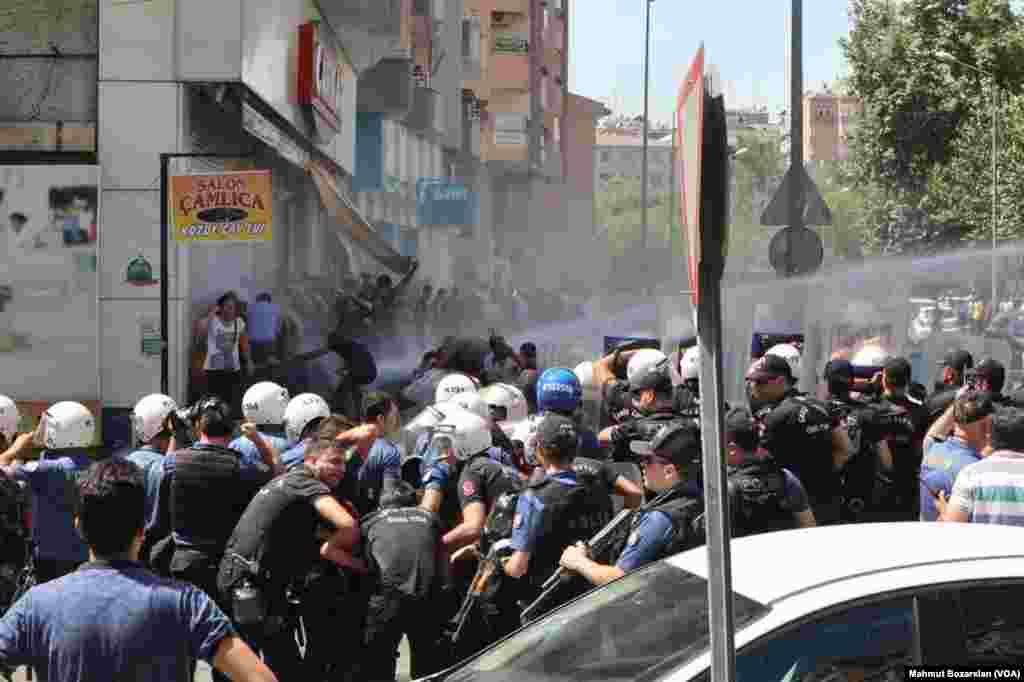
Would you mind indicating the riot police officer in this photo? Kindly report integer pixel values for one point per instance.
(955, 367)
(463, 482)
(670, 523)
(302, 418)
(555, 512)
(264, 405)
(799, 432)
(652, 393)
(870, 452)
(903, 422)
(763, 496)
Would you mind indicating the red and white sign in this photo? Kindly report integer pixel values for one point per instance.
(321, 75)
(690, 138)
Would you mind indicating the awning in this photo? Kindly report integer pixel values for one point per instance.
(353, 223)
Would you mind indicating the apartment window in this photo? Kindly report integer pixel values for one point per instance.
(606, 156)
(421, 8)
(49, 65)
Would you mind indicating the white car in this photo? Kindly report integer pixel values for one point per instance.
(855, 602)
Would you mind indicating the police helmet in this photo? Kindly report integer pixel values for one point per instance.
(506, 402)
(472, 402)
(558, 390)
(301, 411)
(265, 403)
(9, 417)
(149, 415)
(679, 441)
(642, 360)
(524, 434)
(69, 425)
(585, 373)
(464, 432)
(689, 364)
(451, 386)
(219, 419)
(790, 354)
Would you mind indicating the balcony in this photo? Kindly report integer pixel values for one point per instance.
(387, 88)
(425, 113)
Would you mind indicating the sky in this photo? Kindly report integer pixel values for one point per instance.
(747, 39)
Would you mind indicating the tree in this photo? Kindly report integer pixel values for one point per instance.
(920, 158)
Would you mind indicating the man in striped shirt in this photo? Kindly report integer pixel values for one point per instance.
(992, 490)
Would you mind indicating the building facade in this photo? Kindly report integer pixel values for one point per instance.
(432, 121)
(829, 119)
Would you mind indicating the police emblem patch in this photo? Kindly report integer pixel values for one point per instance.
(634, 537)
(468, 488)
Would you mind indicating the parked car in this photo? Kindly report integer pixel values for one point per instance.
(832, 603)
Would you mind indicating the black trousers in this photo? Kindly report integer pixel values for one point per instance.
(200, 569)
(389, 616)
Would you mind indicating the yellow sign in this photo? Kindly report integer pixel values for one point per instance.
(222, 207)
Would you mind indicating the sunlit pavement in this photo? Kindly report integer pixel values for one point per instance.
(203, 670)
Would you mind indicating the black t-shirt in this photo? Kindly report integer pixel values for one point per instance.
(797, 432)
(278, 528)
(402, 547)
(938, 403)
(484, 480)
(904, 423)
(860, 419)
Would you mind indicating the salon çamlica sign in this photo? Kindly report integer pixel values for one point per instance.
(222, 207)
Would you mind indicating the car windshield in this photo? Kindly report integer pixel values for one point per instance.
(619, 632)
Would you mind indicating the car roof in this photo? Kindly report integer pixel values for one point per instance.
(771, 566)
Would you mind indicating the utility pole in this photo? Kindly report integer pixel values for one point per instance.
(643, 160)
(796, 127)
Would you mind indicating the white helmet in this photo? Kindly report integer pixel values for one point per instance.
(642, 360)
(472, 402)
(869, 356)
(451, 386)
(149, 414)
(265, 403)
(689, 364)
(301, 410)
(69, 425)
(9, 417)
(525, 432)
(585, 373)
(508, 399)
(467, 433)
(790, 354)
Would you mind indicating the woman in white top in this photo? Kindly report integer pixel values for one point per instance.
(227, 346)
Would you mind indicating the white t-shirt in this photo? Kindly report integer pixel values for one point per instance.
(222, 344)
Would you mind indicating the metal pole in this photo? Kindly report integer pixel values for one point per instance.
(796, 127)
(165, 358)
(643, 161)
(720, 623)
(995, 190)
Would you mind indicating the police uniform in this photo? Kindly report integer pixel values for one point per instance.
(669, 524)
(208, 490)
(479, 479)
(797, 432)
(404, 552)
(858, 478)
(276, 536)
(903, 422)
(558, 511)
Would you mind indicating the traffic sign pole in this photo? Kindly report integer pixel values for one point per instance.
(796, 126)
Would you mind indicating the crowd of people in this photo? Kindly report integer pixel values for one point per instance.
(261, 543)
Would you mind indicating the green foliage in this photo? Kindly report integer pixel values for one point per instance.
(921, 156)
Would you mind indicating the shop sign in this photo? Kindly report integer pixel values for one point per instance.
(511, 42)
(321, 75)
(440, 201)
(222, 207)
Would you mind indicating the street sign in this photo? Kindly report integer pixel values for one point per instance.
(690, 123)
(816, 211)
(795, 251)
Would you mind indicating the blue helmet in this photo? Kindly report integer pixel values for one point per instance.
(558, 390)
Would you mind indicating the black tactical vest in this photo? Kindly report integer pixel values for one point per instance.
(757, 491)
(207, 495)
(685, 513)
(572, 513)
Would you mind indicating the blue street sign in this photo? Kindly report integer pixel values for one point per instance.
(439, 201)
